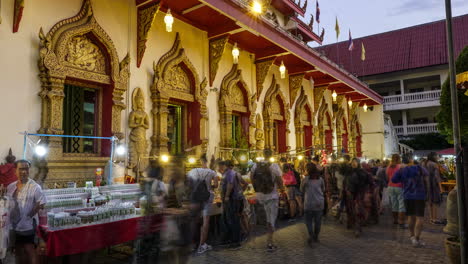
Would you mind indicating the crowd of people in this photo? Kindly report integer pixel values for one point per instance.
(352, 191)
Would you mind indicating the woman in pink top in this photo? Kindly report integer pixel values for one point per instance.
(395, 192)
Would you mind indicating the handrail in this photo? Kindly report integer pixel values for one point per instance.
(413, 97)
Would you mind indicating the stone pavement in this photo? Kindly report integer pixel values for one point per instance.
(380, 243)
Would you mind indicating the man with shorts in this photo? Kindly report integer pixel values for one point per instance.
(208, 177)
(269, 200)
(415, 180)
(27, 199)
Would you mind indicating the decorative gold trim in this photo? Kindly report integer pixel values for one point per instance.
(262, 69)
(269, 116)
(145, 18)
(299, 124)
(295, 83)
(232, 78)
(162, 92)
(318, 94)
(54, 70)
(216, 50)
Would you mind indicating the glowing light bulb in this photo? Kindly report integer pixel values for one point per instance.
(282, 70)
(243, 158)
(169, 20)
(164, 158)
(272, 159)
(120, 150)
(300, 157)
(235, 53)
(259, 158)
(257, 7)
(334, 95)
(40, 150)
(365, 107)
(192, 160)
(350, 103)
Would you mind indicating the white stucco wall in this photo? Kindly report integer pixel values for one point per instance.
(372, 122)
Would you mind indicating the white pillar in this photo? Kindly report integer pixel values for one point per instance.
(402, 89)
(405, 122)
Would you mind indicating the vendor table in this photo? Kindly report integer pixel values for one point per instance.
(82, 239)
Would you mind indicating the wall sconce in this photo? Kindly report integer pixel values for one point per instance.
(334, 95)
(169, 20)
(282, 70)
(235, 53)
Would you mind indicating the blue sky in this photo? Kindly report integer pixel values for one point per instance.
(367, 17)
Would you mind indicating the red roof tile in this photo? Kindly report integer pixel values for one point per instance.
(408, 48)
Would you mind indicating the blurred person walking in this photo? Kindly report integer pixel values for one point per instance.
(202, 181)
(266, 179)
(435, 198)
(313, 189)
(232, 203)
(415, 180)
(395, 192)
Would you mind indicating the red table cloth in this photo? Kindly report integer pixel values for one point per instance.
(88, 238)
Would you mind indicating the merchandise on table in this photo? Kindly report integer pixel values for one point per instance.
(73, 207)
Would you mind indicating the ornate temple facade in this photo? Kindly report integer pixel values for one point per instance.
(120, 68)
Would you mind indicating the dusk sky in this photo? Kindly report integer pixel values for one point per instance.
(368, 17)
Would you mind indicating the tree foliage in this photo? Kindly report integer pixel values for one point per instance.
(433, 141)
(444, 117)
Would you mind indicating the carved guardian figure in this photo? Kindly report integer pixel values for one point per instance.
(138, 122)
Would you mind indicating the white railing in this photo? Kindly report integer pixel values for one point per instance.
(412, 97)
(416, 129)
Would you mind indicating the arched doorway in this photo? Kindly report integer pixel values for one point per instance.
(237, 112)
(179, 105)
(83, 84)
(303, 123)
(356, 136)
(276, 119)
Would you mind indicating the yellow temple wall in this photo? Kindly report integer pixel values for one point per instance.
(372, 122)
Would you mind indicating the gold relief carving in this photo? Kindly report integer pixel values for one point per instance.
(178, 80)
(339, 100)
(82, 53)
(216, 49)
(138, 122)
(262, 69)
(234, 95)
(146, 15)
(275, 109)
(302, 118)
(168, 71)
(259, 134)
(66, 51)
(295, 83)
(318, 94)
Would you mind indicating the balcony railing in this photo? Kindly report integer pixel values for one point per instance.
(412, 97)
(416, 129)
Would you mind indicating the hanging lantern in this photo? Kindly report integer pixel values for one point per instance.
(350, 103)
(334, 95)
(365, 107)
(169, 20)
(235, 53)
(282, 70)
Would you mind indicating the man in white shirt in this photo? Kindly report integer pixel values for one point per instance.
(208, 176)
(268, 200)
(27, 199)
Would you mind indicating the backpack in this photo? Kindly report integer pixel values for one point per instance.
(262, 180)
(200, 193)
(289, 178)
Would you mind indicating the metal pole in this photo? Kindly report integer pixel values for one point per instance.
(111, 161)
(24, 144)
(456, 134)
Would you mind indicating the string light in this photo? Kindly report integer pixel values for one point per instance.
(282, 70)
(235, 53)
(169, 20)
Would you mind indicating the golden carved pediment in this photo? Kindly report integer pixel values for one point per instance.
(84, 54)
(178, 80)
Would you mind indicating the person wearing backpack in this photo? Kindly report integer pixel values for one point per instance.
(201, 199)
(266, 179)
(232, 202)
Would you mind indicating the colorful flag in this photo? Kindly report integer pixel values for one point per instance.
(337, 28)
(317, 13)
(350, 42)
(363, 52)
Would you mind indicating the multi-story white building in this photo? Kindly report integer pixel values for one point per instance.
(407, 67)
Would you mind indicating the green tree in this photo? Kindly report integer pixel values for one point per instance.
(444, 117)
